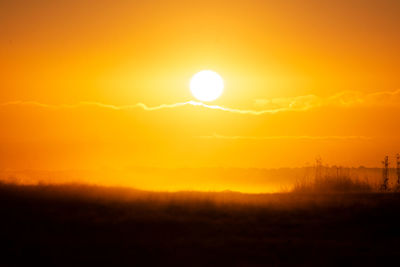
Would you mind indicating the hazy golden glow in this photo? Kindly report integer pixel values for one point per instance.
(104, 84)
(206, 85)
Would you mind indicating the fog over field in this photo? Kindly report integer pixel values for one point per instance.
(249, 180)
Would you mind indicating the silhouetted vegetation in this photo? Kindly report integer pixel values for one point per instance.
(78, 225)
(332, 184)
(332, 180)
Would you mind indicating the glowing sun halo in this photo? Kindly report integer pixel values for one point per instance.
(206, 85)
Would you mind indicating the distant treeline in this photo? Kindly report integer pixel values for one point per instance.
(251, 180)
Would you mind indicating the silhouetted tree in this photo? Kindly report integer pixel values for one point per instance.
(398, 169)
(318, 168)
(385, 174)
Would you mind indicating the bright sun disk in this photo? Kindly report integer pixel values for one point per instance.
(206, 85)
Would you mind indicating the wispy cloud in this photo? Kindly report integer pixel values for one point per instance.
(263, 106)
(145, 107)
(286, 137)
(93, 104)
(342, 99)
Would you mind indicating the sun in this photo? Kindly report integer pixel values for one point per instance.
(206, 85)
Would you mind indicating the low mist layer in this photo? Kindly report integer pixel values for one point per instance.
(203, 179)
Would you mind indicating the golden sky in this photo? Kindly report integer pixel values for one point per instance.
(93, 84)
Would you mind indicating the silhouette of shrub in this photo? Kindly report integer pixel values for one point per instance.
(332, 184)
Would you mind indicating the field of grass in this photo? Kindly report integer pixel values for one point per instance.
(78, 225)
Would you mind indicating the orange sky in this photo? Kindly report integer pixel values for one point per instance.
(93, 84)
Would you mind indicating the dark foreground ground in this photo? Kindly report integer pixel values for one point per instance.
(93, 226)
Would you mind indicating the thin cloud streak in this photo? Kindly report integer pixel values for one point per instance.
(342, 99)
(286, 137)
(144, 106)
(93, 104)
(267, 106)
